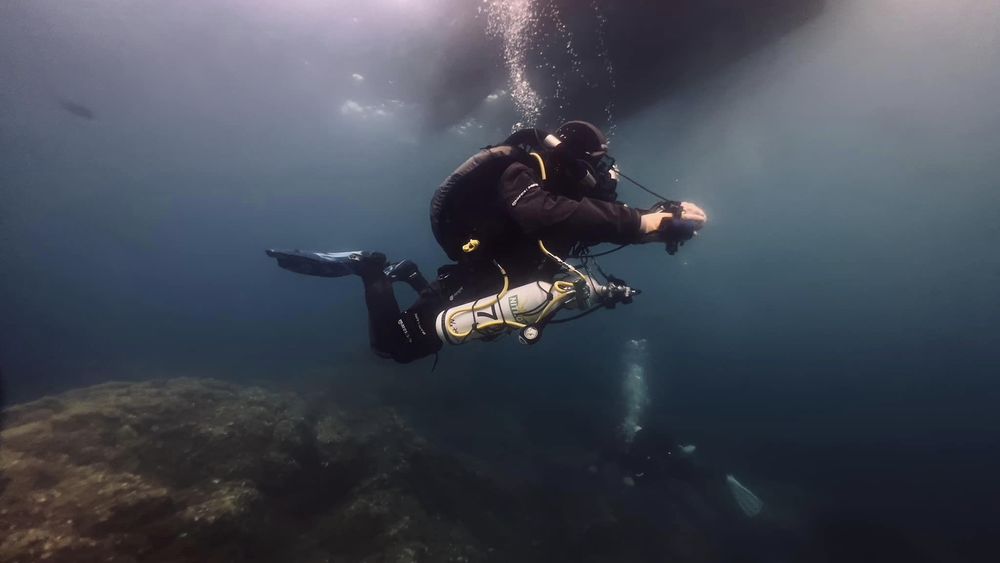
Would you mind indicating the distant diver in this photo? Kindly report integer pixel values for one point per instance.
(77, 109)
(652, 458)
(509, 217)
(642, 454)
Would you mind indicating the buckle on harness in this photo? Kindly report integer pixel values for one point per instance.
(470, 246)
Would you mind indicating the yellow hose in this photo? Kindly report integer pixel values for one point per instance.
(559, 260)
(541, 164)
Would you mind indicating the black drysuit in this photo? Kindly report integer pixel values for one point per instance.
(529, 210)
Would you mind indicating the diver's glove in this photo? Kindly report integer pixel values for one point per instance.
(672, 222)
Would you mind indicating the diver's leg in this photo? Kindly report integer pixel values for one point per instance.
(406, 271)
(418, 336)
(383, 312)
(403, 336)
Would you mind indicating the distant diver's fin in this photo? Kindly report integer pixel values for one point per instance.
(329, 264)
(687, 449)
(746, 500)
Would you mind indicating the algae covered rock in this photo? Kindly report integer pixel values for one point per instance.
(200, 470)
(188, 470)
(124, 471)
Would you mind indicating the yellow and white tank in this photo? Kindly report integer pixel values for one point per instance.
(521, 308)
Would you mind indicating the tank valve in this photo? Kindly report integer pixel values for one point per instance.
(529, 335)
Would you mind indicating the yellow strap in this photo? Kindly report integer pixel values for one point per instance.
(470, 246)
(541, 164)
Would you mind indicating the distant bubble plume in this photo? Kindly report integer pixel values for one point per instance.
(634, 389)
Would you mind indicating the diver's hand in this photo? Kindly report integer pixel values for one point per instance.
(694, 215)
(651, 221)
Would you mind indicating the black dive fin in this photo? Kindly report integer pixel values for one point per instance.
(328, 264)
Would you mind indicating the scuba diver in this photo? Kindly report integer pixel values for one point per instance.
(654, 457)
(509, 217)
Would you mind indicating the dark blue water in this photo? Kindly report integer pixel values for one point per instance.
(831, 336)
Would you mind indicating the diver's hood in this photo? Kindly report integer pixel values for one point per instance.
(583, 139)
(572, 162)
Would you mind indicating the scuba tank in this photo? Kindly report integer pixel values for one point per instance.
(526, 308)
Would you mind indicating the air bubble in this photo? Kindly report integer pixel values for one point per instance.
(535, 28)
